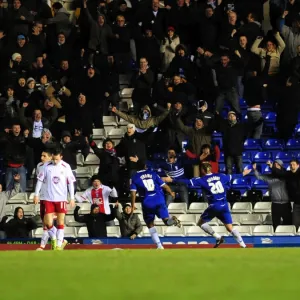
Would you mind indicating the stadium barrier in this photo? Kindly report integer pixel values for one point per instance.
(146, 243)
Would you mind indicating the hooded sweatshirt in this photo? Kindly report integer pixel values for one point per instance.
(141, 121)
(99, 35)
(62, 22)
(18, 228)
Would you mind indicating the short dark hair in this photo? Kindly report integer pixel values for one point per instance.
(294, 160)
(57, 5)
(49, 151)
(57, 151)
(253, 15)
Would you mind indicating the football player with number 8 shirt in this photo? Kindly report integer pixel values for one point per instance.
(57, 176)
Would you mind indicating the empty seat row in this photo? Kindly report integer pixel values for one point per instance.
(174, 208)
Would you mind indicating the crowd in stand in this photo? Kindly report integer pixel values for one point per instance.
(59, 77)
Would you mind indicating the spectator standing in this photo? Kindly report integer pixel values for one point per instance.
(292, 179)
(145, 119)
(142, 82)
(109, 167)
(168, 47)
(226, 81)
(198, 136)
(132, 149)
(37, 123)
(233, 141)
(130, 223)
(281, 206)
(212, 156)
(14, 145)
(173, 169)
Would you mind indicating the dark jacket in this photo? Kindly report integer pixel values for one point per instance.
(18, 228)
(70, 151)
(47, 122)
(129, 224)
(131, 146)
(96, 224)
(197, 138)
(109, 166)
(233, 136)
(99, 36)
(14, 148)
(292, 183)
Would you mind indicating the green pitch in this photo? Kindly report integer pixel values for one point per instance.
(233, 274)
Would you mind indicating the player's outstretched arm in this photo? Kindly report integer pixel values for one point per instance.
(168, 190)
(133, 199)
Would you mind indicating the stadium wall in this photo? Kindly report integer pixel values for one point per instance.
(146, 243)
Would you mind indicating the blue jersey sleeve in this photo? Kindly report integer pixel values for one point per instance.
(133, 186)
(195, 182)
(158, 180)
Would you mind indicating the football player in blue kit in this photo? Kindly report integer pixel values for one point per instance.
(150, 185)
(215, 187)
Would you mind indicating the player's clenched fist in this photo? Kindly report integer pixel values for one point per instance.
(36, 199)
(72, 203)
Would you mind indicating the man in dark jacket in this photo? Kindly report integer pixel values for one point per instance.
(95, 221)
(130, 224)
(100, 32)
(109, 167)
(132, 149)
(233, 141)
(17, 19)
(14, 153)
(292, 179)
(37, 123)
(226, 81)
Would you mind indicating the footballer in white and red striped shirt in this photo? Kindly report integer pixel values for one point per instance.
(58, 179)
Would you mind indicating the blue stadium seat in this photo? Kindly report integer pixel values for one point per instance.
(222, 158)
(247, 158)
(270, 117)
(260, 185)
(222, 168)
(284, 156)
(266, 106)
(293, 144)
(252, 144)
(265, 169)
(297, 130)
(273, 144)
(240, 184)
(243, 103)
(262, 157)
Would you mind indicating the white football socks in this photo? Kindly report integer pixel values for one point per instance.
(155, 237)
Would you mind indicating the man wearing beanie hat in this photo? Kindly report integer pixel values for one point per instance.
(16, 57)
(109, 166)
(133, 149)
(281, 206)
(234, 134)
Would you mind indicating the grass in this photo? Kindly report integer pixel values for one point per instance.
(151, 274)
